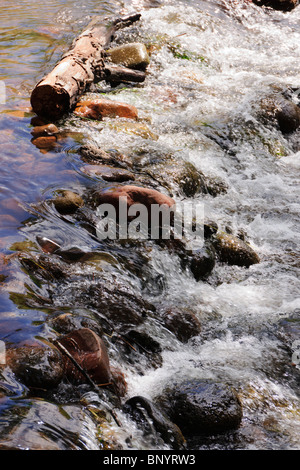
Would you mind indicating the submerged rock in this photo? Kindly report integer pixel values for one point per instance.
(142, 344)
(202, 407)
(134, 128)
(149, 417)
(42, 425)
(44, 142)
(108, 173)
(133, 55)
(234, 251)
(92, 154)
(200, 261)
(288, 330)
(102, 108)
(181, 176)
(67, 202)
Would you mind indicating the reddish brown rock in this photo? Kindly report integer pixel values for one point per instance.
(89, 352)
(44, 142)
(134, 195)
(119, 382)
(101, 108)
(44, 130)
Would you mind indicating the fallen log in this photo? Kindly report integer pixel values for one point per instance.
(58, 92)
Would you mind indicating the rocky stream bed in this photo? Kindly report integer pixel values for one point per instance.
(146, 343)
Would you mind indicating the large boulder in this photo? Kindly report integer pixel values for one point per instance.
(234, 251)
(202, 407)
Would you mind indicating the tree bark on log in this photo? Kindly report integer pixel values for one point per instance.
(58, 92)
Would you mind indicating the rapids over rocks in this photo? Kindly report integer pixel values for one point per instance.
(140, 343)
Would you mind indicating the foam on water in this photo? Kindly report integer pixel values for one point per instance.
(245, 55)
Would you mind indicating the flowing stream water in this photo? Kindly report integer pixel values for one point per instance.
(211, 64)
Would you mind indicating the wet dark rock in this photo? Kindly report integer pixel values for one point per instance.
(289, 331)
(37, 121)
(68, 254)
(284, 5)
(116, 301)
(45, 267)
(202, 407)
(149, 417)
(182, 322)
(143, 344)
(234, 251)
(283, 112)
(38, 367)
(67, 322)
(108, 173)
(47, 245)
(89, 351)
(179, 176)
(92, 154)
(215, 186)
(210, 228)
(202, 262)
(67, 202)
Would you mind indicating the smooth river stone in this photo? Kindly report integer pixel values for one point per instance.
(132, 55)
